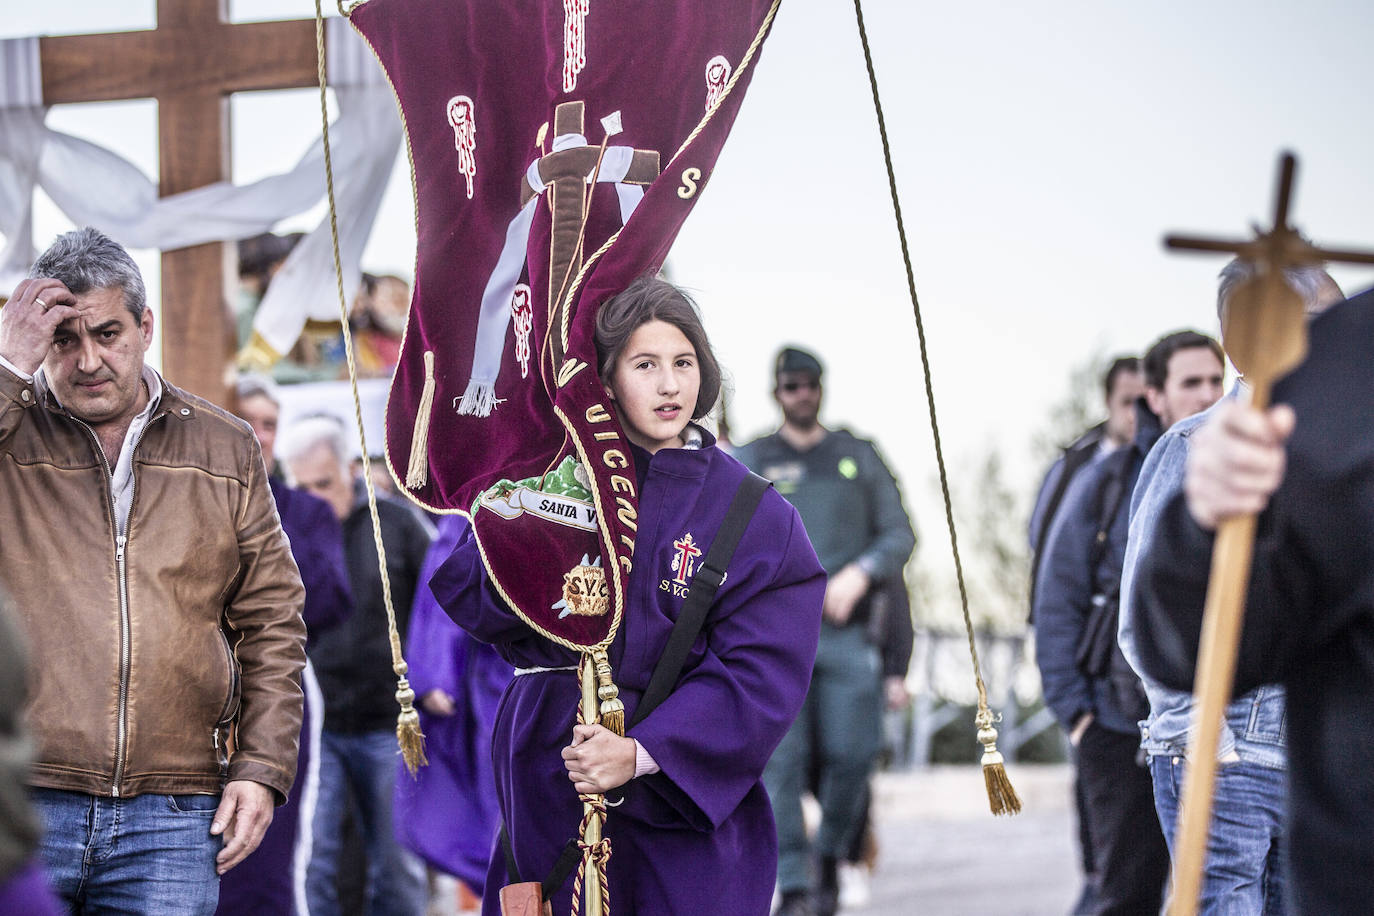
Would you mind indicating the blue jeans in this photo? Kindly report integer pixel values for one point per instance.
(1245, 866)
(362, 768)
(150, 854)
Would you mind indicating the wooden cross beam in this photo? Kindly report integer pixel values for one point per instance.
(190, 64)
(1265, 333)
(1281, 246)
(567, 172)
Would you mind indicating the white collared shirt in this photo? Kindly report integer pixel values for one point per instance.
(122, 473)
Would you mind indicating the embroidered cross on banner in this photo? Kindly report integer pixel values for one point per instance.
(566, 171)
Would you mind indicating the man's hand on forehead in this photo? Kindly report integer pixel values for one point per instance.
(28, 320)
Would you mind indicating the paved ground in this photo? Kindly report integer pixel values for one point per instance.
(942, 853)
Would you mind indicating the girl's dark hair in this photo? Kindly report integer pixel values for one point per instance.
(651, 299)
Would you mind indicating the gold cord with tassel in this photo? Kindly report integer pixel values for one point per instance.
(417, 472)
(612, 709)
(408, 734)
(1001, 796)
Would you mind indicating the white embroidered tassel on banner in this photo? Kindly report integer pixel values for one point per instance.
(417, 472)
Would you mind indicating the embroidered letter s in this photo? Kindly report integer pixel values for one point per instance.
(690, 177)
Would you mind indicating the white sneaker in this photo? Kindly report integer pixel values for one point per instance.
(855, 892)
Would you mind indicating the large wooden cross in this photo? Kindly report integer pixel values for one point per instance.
(190, 64)
(567, 172)
(1265, 333)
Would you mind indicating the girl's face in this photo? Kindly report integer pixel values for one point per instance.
(654, 384)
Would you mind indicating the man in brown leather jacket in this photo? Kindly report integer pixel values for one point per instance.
(154, 584)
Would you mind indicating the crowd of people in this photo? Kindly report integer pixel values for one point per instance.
(376, 319)
(200, 646)
(1096, 526)
(210, 692)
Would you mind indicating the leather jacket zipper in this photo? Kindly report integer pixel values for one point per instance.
(125, 624)
(125, 662)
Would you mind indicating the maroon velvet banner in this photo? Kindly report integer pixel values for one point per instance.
(556, 149)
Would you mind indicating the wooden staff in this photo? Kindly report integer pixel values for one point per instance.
(1265, 333)
(591, 836)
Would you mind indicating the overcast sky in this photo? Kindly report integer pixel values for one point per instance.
(1042, 151)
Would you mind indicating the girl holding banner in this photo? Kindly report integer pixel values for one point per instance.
(712, 661)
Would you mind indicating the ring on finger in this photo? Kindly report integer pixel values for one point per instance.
(40, 303)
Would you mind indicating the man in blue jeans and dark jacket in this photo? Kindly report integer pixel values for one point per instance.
(1244, 871)
(1309, 608)
(1093, 693)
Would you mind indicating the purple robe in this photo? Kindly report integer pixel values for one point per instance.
(447, 814)
(272, 879)
(698, 836)
(317, 547)
(27, 891)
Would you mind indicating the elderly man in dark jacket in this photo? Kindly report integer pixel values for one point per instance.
(353, 662)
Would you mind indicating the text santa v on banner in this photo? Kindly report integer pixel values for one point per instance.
(555, 155)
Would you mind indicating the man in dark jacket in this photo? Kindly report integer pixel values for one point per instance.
(1309, 619)
(1122, 386)
(353, 663)
(1093, 693)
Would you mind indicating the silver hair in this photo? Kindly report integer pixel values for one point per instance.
(254, 385)
(86, 259)
(308, 433)
(1309, 281)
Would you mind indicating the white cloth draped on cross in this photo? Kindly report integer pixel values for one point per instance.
(95, 186)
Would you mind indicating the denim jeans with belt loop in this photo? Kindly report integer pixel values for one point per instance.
(150, 854)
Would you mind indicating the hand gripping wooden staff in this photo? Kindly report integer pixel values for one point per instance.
(1265, 333)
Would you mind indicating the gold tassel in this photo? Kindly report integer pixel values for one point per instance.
(417, 472)
(408, 734)
(612, 709)
(1002, 797)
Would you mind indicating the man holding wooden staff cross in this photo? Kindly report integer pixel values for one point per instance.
(1309, 462)
(1244, 871)
(1307, 466)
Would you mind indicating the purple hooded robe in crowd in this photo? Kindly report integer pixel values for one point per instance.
(27, 891)
(698, 836)
(272, 879)
(447, 814)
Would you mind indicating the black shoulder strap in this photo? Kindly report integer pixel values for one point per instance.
(707, 580)
(568, 859)
(1109, 498)
(705, 583)
(1074, 461)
